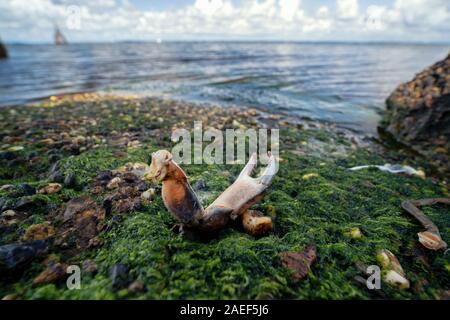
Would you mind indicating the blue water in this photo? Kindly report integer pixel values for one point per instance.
(341, 83)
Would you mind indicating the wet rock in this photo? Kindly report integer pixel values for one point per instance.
(299, 262)
(418, 113)
(70, 180)
(119, 276)
(51, 188)
(56, 176)
(54, 273)
(39, 231)
(16, 257)
(24, 203)
(24, 189)
(82, 221)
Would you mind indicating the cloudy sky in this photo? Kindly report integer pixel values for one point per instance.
(311, 20)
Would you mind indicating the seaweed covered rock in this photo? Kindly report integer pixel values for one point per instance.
(418, 113)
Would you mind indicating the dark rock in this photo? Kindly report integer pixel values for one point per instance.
(3, 51)
(24, 203)
(418, 114)
(104, 176)
(130, 177)
(82, 221)
(107, 205)
(16, 257)
(70, 180)
(25, 190)
(119, 276)
(142, 186)
(56, 176)
(7, 155)
(200, 185)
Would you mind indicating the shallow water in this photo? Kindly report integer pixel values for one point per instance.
(341, 83)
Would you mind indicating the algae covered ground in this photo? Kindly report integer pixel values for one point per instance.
(127, 246)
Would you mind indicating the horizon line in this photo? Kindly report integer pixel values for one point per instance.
(160, 41)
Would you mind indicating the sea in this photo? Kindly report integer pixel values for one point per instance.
(342, 83)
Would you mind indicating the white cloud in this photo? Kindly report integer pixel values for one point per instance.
(347, 9)
(109, 20)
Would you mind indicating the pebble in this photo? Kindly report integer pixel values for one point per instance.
(51, 188)
(114, 183)
(148, 195)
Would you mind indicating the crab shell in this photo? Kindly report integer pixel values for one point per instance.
(431, 240)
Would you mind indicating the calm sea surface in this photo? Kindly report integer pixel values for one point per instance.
(342, 83)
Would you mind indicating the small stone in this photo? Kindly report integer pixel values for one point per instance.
(15, 148)
(51, 188)
(309, 176)
(119, 276)
(136, 287)
(114, 183)
(299, 262)
(70, 180)
(148, 195)
(104, 176)
(200, 185)
(7, 187)
(39, 231)
(54, 273)
(89, 266)
(8, 214)
(10, 297)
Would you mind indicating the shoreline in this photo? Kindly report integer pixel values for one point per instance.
(82, 142)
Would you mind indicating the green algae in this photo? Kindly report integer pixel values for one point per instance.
(317, 210)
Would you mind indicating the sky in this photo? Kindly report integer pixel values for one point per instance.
(33, 21)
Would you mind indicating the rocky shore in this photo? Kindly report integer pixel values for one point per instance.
(418, 114)
(70, 195)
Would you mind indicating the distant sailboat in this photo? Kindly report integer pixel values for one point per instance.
(3, 51)
(59, 37)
